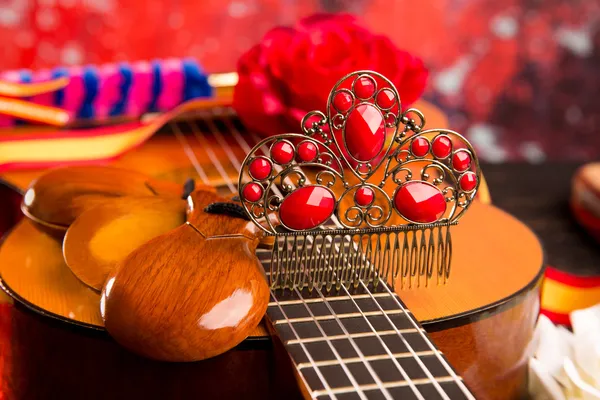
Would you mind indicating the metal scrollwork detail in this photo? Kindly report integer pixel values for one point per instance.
(441, 158)
(380, 233)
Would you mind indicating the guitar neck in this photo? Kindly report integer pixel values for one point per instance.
(360, 343)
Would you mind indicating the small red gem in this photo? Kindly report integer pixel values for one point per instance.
(419, 201)
(343, 101)
(307, 207)
(461, 161)
(442, 146)
(307, 151)
(364, 196)
(420, 146)
(365, 132)
(282, 153)
(252, 192)
(364, 87)
(260, 169)
(386, 99)
(468, 181)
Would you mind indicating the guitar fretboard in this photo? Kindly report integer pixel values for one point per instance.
(360, 343)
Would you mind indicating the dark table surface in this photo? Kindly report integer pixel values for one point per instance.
(539, 196)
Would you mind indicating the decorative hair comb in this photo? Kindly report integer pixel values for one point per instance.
(365, 193)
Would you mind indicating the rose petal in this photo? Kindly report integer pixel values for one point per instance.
(293, 70)
(386, 58)
(414, 80)
(275, 51)
(256, 102)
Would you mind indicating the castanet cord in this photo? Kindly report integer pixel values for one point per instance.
(225, 208)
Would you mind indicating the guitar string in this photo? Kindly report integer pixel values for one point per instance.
(240, 139)
(230, 154)
(200, 171)
(444, 363)
(449, 369)
(446, 366)
(225, 176)
(189, 152)
(376, 378)
(343, 365)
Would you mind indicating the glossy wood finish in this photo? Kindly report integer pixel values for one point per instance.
(468, 341)
(105, 234)
(163, 158)
(484, 230)
(57, 197)
(51, 361)
(492, 353)
(189, 294)
(48, 285)
(59, 360)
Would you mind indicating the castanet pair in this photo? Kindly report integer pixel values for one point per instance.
(178, 283)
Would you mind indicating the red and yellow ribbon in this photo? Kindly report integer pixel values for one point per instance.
(11, 103)
(14, 89)
(40, 149)
(563, 293)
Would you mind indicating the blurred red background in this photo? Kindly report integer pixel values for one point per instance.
(519, 78)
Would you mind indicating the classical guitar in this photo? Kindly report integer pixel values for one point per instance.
(463, 339)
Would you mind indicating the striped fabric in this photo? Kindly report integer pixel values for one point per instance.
(117, 90)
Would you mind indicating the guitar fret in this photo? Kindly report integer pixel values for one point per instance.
(339, 316)
(367, 358)
(388, 385)
(355, 324)
(352, 335)
(366, 345)
(427, 391)
(331, 299)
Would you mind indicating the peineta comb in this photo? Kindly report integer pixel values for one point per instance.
(363, 193)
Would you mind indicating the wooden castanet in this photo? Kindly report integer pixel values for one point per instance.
(105, 234)
(56, 198)
(192, 293)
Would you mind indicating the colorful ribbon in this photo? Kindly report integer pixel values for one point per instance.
(14, 89)
(16, 105)
(41, 149)
(563, 293)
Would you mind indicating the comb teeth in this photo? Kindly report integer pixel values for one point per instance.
(327, 260)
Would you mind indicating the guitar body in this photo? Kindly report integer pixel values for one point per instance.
(482, 319)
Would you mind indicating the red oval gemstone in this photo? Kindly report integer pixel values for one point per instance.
(282, 152)
(260, 168)
(365, 132)
(420, 201)
(342, 101)
(420, 146)
(468, 181)
(461, 161)
(386, 99)
(307, 207)
(364, 196)
(252, 192)
(307, 151)
(442, 146)
(364, 87)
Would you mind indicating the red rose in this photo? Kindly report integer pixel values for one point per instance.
(293, 69)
